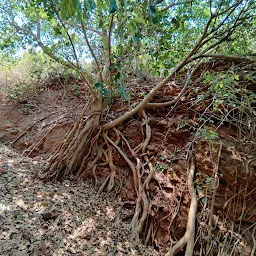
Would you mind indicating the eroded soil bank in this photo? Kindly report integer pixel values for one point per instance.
(69, 218)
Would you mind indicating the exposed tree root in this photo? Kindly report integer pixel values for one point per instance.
(254, 241)
(142, 204)
(142, 208)
(74, 153)
(142, 146)
(189, 236)
(110, 179)
(216, 169)
(126, 158)
(150, 175)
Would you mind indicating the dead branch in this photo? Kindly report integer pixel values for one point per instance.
(30, 127)
(39, 142)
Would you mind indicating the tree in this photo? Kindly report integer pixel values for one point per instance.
(167, 35)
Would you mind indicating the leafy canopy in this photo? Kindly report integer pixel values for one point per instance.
(154, 35)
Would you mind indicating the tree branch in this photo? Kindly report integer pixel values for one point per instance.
(86, 28)
(109, 34)
(168, 103)
(229, 57)
(69, 37)
(160, 85)
(40, 43)
(49, 53)
(107, 39)
(38, 26)
(89, 46)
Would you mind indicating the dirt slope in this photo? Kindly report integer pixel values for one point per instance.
(36, 125)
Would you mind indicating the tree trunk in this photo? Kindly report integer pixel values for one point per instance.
(76, 149)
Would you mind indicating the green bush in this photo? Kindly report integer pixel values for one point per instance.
(29, 73)
(231, 101)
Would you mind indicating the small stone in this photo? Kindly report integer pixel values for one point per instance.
(50, 215)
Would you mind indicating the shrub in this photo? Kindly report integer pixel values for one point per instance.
(29, 73)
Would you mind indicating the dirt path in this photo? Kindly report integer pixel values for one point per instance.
(57, 218)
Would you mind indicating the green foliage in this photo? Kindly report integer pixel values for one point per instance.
(145, 35)
(207, 133)
(68, 8)
(232, 102)
(29, 73)
(182, 124)
(112, 6)
(204, 186)
(161, 167)
(223, 87)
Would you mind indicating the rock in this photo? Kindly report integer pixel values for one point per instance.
(50, 215)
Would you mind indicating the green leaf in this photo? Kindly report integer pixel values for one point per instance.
(92, 4)
(157, 73)
(123, 91)
(151, 10)
(151, 54)
(209, 179)
(124, 4)
(104, 91)
(137, 37)
(175, 22)
(98, 85)
(113, 6)
(57, 30)
(139, 20)
(68, 8)
(204, 200)
(101, 6)
(117, 76)
(101, 23)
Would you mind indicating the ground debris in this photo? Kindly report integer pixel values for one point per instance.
(57, 218)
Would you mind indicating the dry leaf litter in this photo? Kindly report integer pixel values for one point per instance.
(57, 218)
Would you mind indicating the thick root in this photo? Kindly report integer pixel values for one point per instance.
(74, 152)
(189, 237)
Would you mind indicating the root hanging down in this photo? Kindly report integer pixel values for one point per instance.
(189, 237)
(143, 206)
(75, 152)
